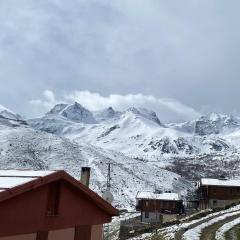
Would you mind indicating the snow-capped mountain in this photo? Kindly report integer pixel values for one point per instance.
(8, 114)
(209, 124)
(143, 150)
(105, 114)
(23, 147)
(74, 112)
(216, 124)
(139, 132)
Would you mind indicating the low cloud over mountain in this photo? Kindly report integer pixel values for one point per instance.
(170, 110)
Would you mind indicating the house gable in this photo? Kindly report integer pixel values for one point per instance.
(40, 209)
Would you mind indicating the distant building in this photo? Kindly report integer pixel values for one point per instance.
(218, 193)
(156, 207)
(50, 205)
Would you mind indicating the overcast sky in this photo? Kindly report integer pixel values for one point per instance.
(183, 55)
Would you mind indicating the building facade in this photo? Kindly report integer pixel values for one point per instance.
(158, 208)
(218, 193)
(50, 205)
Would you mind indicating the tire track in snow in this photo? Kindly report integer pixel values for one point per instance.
(220, 234)
(195, 233)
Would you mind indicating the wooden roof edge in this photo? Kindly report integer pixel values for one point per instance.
(58, 175)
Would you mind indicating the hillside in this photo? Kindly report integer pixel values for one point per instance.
(139, 132)
(145, 153)
(23, 147)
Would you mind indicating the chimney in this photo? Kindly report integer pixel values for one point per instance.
(85, 176)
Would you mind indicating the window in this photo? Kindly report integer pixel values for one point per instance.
(146, 214)
(53, 199)
(147, 204)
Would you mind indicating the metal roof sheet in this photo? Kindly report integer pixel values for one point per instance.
(218, 182)
(158, 196)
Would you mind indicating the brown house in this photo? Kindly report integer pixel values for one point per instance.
(217, 193)
(49, 205)
(156, 207)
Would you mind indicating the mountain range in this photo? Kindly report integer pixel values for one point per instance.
(144, 152)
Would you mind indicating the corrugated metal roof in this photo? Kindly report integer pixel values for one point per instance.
(161, 196)
(218, 182)
(14, 178)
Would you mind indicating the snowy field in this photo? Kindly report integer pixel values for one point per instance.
(194, 233)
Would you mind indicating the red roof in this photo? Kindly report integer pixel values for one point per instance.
(25, 180)
(25, 197)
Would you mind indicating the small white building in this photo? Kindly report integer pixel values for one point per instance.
(158, 207)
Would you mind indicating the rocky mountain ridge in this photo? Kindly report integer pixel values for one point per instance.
(139, 131)
(70, 136)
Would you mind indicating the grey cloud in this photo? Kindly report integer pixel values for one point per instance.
(187, 50)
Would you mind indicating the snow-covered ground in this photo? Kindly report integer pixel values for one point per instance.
(144, 152)
(23, 147)
(208, 146)
(193, 233)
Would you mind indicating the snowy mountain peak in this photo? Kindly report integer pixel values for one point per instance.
(105, 114)
(214, 117)
(145, 113)
(58, 108)
(110, 110)
(214, 123)
(74, 112)
(6, 113)
(2, 108)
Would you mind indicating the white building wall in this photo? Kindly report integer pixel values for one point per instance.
(157, 217)
(151, 217)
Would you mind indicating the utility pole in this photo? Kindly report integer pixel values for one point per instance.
(108, 195)
(156, 218)
(109, 177)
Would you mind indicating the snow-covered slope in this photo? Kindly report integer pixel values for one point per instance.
(139, 132)
(23, 147)
(106, 114)
(74, 112)
(209, 124)
(6, 113)
(143, 151)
